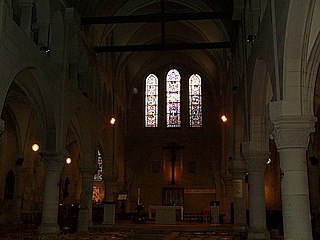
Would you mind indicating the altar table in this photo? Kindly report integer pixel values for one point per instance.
(166, 214)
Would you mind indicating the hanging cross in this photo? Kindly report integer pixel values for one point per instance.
(173, 148)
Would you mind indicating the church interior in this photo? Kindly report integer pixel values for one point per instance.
(159, 115)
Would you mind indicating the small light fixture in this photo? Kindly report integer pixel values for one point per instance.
(44, 49)
(224, 118)
(251, 38)
(268, 161)
(68, 160)
(35, 147)
(112, 120)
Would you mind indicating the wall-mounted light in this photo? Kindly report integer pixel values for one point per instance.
(112, 120)
(224, 118)
(135, 91)
(44, 49)
(68, 160)
(268, 161)
(35, 147)
(251, 38)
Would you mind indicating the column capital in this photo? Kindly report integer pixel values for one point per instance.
(26, 3)
(288, 131)
(227, 181)
(255, 158)
(2, 127)
(53, 161)
(237, 168)
(88, 171)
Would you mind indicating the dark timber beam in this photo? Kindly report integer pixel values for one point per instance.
(151, 18)
(162, 47)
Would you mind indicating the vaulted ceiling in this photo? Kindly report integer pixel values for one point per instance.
(159, 33)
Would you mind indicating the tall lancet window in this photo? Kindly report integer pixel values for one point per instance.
(151, 104)
(195, 101)
(173, 98)
(98, 175)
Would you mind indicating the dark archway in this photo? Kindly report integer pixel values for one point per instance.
(9, 188)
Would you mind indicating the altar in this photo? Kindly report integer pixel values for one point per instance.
(165, 214)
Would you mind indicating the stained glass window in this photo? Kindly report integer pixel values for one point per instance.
(195, 101)
(98, 175)
(173, 98)
(151, 105)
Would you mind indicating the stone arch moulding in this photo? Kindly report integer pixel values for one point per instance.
(41, 99)
(312, 73)
(259, 99)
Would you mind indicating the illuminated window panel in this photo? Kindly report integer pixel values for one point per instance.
(173, 99)
(151, 101)
(98, 175)
(195, 101)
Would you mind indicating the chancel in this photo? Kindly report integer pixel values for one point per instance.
(173, 148)
(200, 95)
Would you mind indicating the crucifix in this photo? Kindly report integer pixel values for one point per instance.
(173, 148)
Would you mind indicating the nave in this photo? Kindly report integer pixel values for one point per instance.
(126, 230)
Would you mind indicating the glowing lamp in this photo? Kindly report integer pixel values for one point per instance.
(113, 121)
(68, 160)
(35, 147)
(224, 118)
(268, 161)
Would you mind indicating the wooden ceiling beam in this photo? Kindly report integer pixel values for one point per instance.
(162, 47)
(151, 18)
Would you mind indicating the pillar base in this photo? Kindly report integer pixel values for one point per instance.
(83, 220)
(109, 213)
(262, 234)
(49, 229)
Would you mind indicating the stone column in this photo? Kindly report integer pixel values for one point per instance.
(228, 189)
(238, 170)
(26, 15)
(291, 134)
(19, 184)
(109, 213)
(53, 163)
(43, 38)
(2, 128)
(85, 212)
(256, 163)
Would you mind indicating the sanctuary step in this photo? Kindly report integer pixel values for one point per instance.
(126, 230)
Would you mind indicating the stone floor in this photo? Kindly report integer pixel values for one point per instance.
(129, 231)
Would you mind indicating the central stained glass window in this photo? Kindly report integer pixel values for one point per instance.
(173, 83)
(173, 98)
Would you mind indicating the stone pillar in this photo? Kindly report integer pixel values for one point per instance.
(26, 15)
(53, 163)
(19, 184)
(228, 189)
(109, 213)
(314, 184)
(2, 128)
(43, 38)
(238, 170)
(291, 134)
(256, 163)
(85, 212)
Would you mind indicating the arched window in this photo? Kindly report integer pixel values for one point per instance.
(9, 188)
(151, 101)
(173, 98)
(98, 175)
(195, 101)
